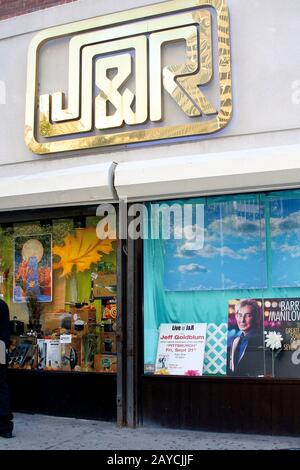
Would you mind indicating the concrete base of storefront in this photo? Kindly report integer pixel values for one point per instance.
(35, 432)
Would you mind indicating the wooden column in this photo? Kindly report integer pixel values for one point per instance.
(121, 332)
(129, 329)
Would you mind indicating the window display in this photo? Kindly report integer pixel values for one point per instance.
(59, 281)
(234, 270)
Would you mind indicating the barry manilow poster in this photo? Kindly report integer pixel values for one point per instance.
(264, 337)
(33, 268)
(245, 352)
(282, 318)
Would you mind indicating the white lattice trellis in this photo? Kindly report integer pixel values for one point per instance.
(215, 349)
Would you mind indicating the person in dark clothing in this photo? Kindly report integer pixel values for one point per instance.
(6, 417)
(246, 350)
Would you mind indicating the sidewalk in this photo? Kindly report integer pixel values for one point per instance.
(45, 432)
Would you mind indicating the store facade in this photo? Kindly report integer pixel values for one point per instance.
(187, 314)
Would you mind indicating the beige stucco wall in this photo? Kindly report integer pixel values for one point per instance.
(266, 84)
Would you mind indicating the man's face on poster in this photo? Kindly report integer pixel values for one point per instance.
(245, 318)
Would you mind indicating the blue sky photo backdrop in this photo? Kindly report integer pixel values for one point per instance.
(285, 234)
(231, 254)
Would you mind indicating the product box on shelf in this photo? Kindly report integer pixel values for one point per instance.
(56, 321)
(109, 309)
(81, 319)
(104, 285)
(105, 363)
(72, 354)
(23, 353)
(41, 353)
(53, 353)
(108, 343)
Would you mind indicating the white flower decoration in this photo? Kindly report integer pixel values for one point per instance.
(273, 340)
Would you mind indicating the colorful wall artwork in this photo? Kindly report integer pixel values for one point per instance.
(32, 268)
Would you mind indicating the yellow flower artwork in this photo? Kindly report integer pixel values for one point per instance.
(81, 250)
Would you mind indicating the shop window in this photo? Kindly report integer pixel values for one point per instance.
(59, 281)
(222, 286)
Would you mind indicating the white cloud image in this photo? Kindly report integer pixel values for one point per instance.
(189, 233)
(251, 250)
(236, 226)
(286, 225)
(192, 268)
(291, 250)
(190, 250)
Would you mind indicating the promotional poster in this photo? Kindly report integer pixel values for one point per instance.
(282, 317)
(181, 349)
(245, 348)
(264, 337)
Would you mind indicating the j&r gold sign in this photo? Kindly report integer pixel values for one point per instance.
(122, 85)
